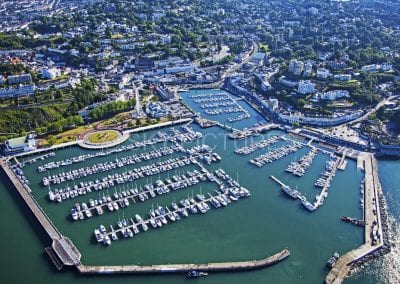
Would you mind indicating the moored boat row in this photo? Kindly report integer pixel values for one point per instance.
(171, 135)
(111, 165)
(193, 156)
(276, 154)
(299, 168)
(257, 146)
(161, 216)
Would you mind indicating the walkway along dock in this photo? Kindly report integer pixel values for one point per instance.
(373, 239)
(343, 163)
(62, 247)
(182, 268)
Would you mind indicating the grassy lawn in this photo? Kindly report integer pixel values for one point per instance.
(116, 36)
(265, 46)
(70, 135)
(103, 136)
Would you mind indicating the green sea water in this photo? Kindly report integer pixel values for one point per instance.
(249, 229)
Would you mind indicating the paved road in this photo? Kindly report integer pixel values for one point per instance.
(371, 111)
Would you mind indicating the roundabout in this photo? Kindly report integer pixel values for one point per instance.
(103, 139)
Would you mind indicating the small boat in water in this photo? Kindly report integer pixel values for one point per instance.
(194, 273)
(332, 260)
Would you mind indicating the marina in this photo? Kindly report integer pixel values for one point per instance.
(325, 181)
(299, 168)
(202, 153)
(143, 187)
(257, 146)
(108, 166)
(162, 216)
(173, 135)
(124, 196)
(276, 154)
(224, 107)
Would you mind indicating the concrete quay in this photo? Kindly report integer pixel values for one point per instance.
(373, 237)
(182, 268)
(62, 247)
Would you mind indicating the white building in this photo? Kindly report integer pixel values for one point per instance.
(296, 67)
(17, 79)
(20, 144)
(370, 68)
(157, 16)
(290, 33)
(290, 118)
(19, 91)
(307, 69)
(334, 95)
(306, 87)
(156, 110)
(386, 67)
(320, 120)
(313, 11)
(50, 73)
(274, 103)
(342, 77)
(165, 39)
(180, 68)
(323, 73)
(169, 61)
(266, 85)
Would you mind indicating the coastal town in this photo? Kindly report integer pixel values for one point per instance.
(133, 110)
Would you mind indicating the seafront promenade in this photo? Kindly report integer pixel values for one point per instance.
(373, 237)
(125, 136)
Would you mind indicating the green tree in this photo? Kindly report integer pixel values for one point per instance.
(51, 140)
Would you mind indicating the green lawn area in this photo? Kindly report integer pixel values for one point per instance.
(263, 45)
(116, 36)
(103, 136)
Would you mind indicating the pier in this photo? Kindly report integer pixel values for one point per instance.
(62, 246)
(276, 154)
(373, 234)
(183, 268)
(343, 163)
(278, 181)
(321, 196)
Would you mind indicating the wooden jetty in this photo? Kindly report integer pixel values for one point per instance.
(182, 268)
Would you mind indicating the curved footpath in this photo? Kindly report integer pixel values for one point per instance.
(177, 268)
(126, 135)
(86, 144)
